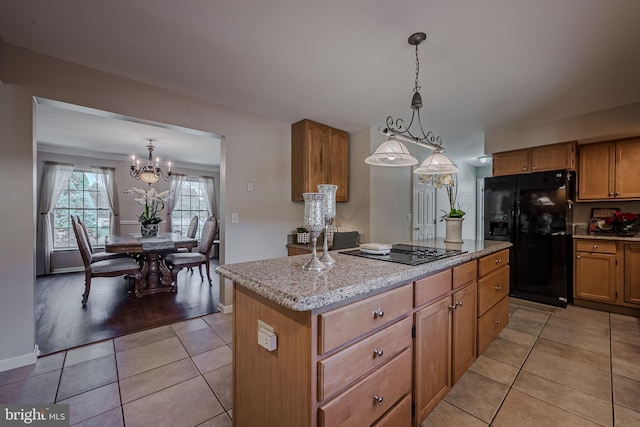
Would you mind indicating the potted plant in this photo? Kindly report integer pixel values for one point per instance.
(625, 224)
(153, 203)
(454, 217)
(303, 235)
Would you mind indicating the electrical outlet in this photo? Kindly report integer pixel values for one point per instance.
(267, 339)
(250, 187)
(234, 218)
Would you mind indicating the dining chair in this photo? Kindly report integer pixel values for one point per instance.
(179, 260)
(193, 227)
(97, 256)
(105, 268)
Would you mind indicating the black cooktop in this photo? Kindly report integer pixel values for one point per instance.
(408, 254)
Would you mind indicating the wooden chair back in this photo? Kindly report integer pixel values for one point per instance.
(193, 227)
(208, 234)
(86, 232)
(83, 242)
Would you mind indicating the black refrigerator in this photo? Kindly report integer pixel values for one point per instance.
(533, 211)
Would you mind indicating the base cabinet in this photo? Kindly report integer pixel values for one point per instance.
(632, 273)
(595, 270)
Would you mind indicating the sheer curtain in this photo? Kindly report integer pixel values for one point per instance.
(177, 181)
(209, 185)
(55, 177)
(107, 178)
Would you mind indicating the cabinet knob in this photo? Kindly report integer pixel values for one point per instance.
(497, 322)
(578, 257)
(453, 307)
(377, 352)
(533, 167)
(617, 193)
(378, 399)
(498, 288)
(378, 313)
(498, 261)
(524, 169)
(610, 194)
(459, 303)
(595, 246)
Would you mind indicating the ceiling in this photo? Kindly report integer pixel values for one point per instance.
(486, 65)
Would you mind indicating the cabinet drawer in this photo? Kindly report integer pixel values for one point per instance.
(341, 369)
(492, 288)
(599, 246)
(492, 323)
(491, 262)
(432, 287)
(399, 415)
(358, 406)
(464, 274)
(344, 324)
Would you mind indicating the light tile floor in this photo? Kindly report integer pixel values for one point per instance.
(553, 367)
(176, 375)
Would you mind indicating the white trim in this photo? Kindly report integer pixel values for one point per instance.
(129, 222)
(67, 270)
(225, 309)
(20, 361)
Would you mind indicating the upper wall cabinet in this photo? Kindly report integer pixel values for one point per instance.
(536, 159)
(609, 170)
(319, 155)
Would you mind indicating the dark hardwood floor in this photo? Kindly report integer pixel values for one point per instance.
(62, 323)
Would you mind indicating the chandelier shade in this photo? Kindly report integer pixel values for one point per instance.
(393, 153)
(150, 172)
(436, 164)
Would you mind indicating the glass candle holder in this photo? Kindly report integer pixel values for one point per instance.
(314, 222)
(329, 190)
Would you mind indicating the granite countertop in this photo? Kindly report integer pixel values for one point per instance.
(635, 238)
(283, 281)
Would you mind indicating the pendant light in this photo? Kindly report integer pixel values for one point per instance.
(393, 153)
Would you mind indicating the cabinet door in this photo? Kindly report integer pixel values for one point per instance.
(463, 331)
(596, 166)
(627, 184)
(632, 273)
(432, 351)
(511, 162)
(553, 157)
(336, 163)
(595, 277)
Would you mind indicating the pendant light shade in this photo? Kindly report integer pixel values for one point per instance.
(391, 153)
(436, 164)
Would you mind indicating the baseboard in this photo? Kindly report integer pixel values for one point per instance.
(225, 309)
(19, 361)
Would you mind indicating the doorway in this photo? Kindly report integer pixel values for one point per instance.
(424, 210)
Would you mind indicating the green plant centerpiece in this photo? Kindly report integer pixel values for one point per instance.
(153, 204)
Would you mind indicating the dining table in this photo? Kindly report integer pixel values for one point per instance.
(150, 251)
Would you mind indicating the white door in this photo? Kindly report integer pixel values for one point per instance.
(424, 210)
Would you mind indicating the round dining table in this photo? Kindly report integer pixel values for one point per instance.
(150, 251)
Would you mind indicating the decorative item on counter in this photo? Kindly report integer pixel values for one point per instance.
(314, 222)
(329, 191)
(625, 224)
(599, 217)
(153, 203)
(454, 217)
(303, 236)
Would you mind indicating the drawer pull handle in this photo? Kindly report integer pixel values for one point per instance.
(378, 399)
(378, 352)
(617, 193)
(497, 322)
(453, 307)
(610, 194)
(498, 288)
(459, 304)
(595, 246)
(378, 313)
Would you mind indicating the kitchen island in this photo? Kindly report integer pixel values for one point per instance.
(347, 330)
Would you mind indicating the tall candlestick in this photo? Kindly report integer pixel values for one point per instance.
(329, 190)
(314, 221)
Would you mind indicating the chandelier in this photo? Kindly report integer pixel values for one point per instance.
(150, 172)
(393, 153)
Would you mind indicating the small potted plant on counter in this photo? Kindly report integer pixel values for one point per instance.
(303, 235)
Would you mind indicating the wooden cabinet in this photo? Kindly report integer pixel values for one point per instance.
(493, 300)
(536, 159)
(319, 155)
(595, 270)
(632, 273)
(609, 170)
(445, 334)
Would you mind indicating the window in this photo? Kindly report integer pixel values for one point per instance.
(85, 197)
(192, 202)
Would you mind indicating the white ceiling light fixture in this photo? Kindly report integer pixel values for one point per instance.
(485, 159)
(393, 153)
(150, 172)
